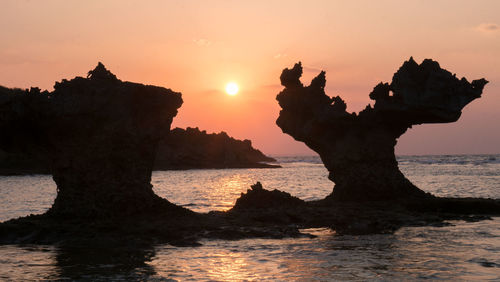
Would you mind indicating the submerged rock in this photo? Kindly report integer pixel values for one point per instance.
(358, 149)
(100, 135)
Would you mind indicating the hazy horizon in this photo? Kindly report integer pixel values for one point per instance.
(314, 154)
(197, 47)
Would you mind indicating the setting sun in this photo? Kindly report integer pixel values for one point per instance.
(232, 88)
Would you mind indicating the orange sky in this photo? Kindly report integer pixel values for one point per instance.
(196, 47)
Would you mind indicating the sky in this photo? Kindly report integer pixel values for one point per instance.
(197, 47)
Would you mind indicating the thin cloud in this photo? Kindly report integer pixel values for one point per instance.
(280, 55)
(202, 42)
(488, 28)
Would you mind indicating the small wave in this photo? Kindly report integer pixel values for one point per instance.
(425, 159)
(450, 159)
(477, 160)
(484, 262)
(299, 159)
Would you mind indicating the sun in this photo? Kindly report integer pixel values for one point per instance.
(232, 88)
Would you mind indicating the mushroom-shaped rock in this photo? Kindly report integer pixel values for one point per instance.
(100, 135)
(358, 150)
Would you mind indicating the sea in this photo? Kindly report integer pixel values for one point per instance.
(459, 250)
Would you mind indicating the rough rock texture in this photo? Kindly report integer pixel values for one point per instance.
(191, 148)
(23, 162)
(358, 149)
(258, 198)
(261, 207)
(100, 135)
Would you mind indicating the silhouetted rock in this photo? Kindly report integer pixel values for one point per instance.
(191, 148)
(358, 150)
(259, 198)
(261, 207)
(100, 136)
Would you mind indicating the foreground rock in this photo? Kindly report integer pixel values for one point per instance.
(259, 198)
(358, 149)
(276, 208)
(100, 135)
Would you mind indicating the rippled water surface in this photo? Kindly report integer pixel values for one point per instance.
(461, 251)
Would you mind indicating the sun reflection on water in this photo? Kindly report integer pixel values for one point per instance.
(227, 266)
(208, 190)
(215, 261)
(230, 185)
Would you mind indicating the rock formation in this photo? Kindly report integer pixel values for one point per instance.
(358, 149)
(100, 135)
(191, 148)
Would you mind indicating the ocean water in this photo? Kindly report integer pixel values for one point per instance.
(459, 251)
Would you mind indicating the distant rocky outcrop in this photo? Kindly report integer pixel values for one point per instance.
(100, 136)
(191, 148)
(188, 148)
(358, 149)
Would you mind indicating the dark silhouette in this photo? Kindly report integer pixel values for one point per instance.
(259, 198)
(187, 148)
(100, 135)
(358, 149)
(191, 148)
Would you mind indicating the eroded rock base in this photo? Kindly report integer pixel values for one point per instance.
(259, 213)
